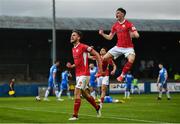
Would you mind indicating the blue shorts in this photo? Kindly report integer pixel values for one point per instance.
(64, 85)
(128, 87)
(163, 85)
(93, 84)
(50, 84)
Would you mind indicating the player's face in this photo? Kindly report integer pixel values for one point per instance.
(119, 15)
(160, 66)
(74, 37)
(102, 51)
(57, 63)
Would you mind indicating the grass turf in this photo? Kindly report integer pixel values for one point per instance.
(139, 109)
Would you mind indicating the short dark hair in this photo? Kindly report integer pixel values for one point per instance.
(104, 48)
(161, 63)
(56, 61)
(122, 10)
(78, 32)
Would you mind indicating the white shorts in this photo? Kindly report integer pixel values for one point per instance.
(102, 80)
(117, 51)
(82, 82)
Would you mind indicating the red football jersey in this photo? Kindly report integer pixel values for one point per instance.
(105, 66)
(80, 55)
(122, 30)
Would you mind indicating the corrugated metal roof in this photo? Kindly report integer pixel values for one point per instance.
(85, 23)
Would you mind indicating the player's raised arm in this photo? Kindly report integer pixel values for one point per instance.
(98, 58)
(106, 36)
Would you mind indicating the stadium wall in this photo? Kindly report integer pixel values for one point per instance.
(114, 88)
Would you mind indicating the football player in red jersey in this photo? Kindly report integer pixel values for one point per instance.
(80, 55)
(103, 80)
(125, 31)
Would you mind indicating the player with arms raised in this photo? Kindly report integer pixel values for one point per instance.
(125, 31)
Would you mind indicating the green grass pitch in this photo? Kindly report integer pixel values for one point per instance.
(139, 109)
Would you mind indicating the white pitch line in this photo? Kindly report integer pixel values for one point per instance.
(110, 117)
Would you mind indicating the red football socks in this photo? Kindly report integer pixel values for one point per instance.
(92, 102)
(102, 100)
(77, 104)
(126, 68)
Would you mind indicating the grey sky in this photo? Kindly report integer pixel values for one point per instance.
(136, 9)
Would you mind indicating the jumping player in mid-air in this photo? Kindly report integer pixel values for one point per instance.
(125, 31)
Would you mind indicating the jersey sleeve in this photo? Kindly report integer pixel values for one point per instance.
(87, 48)
(132, 28)
(113, 29)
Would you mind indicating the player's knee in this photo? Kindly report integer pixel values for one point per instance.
(131, 58)
(84, 93)
(77, 95)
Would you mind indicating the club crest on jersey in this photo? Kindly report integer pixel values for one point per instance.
(123, 26)
(77, 51)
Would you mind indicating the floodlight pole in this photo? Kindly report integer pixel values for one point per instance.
(54, 33)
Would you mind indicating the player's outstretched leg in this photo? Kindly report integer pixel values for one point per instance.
(91, 100)
(126, 68)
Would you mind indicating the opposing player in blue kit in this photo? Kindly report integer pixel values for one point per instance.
(64, 84)
(52, 84)
(128, 80)
(93, 81)
(161, 82)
